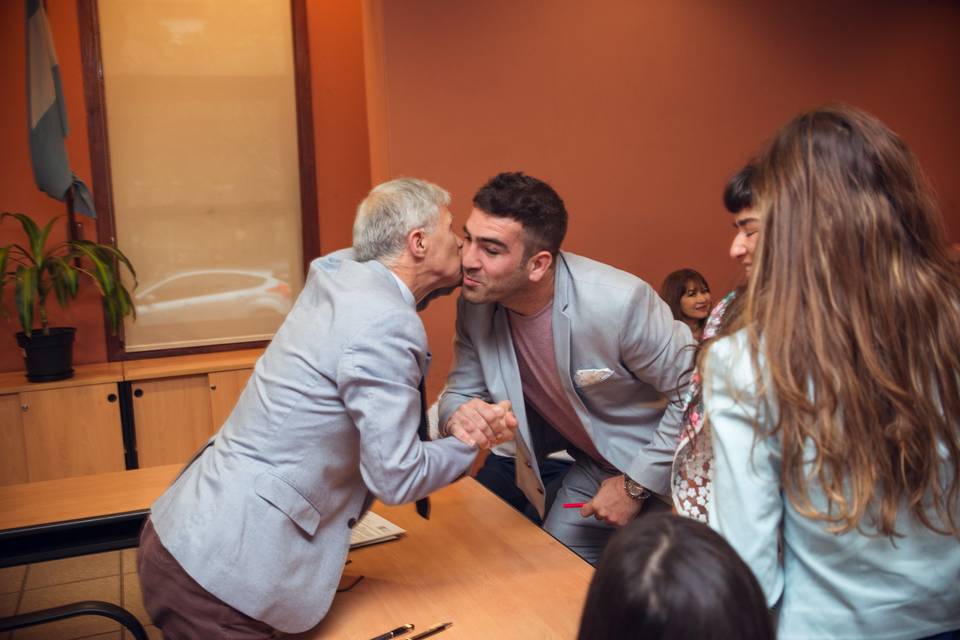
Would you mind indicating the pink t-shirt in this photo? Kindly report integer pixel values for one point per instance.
(537, 361)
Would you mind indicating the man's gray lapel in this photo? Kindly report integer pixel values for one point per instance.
(562, 336)
(529, 483)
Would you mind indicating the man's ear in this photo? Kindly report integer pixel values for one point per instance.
(417, 243)
(538, 265)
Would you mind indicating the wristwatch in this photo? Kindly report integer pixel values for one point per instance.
(634, 489)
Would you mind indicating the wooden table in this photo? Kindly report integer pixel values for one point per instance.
(476, 563)
(74, 516)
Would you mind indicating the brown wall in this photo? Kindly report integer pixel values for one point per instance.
(638, 112)
(339, 120)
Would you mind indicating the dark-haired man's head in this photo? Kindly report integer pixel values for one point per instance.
(512, 238)
(531, 202)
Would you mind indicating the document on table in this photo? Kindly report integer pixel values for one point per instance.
(372, 529)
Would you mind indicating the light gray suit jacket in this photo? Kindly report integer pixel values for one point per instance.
(261, 518)
(621, 358)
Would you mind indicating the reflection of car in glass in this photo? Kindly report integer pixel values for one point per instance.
(212, 294)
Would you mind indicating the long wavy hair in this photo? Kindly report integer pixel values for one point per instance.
(853, 313)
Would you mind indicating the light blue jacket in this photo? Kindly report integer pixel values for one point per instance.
(261, 519)
(825, 585)
(620, 354)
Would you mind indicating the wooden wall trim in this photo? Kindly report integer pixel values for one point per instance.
(89, 25)
(310, 217)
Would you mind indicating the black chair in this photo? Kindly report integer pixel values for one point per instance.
(87, 608)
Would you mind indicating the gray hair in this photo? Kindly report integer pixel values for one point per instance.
(391, 211)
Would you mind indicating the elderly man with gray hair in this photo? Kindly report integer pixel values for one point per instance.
(253, 535)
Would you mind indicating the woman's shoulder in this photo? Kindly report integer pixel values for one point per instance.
(728, 360)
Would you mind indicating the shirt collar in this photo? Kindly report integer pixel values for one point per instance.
(404, 289)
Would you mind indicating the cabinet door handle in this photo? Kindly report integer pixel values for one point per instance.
(112, 397)
(213, 387)
(137, 393)
(24, 408)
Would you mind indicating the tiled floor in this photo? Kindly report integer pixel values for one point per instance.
(111, 577)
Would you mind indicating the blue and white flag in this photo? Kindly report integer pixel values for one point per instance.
(48, 116)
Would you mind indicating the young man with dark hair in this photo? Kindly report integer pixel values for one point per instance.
(588, 356)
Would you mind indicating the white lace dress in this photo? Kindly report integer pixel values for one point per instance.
(692, 476)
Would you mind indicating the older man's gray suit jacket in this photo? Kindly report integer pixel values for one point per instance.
(621, 358)
(261, 518)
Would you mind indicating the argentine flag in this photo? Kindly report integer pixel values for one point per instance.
(48, 115)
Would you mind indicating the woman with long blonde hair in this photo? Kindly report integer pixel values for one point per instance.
(834, 401)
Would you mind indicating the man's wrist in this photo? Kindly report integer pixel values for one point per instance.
(634, 489)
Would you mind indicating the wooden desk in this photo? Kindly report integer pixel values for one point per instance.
(476, 563)
(73, 516)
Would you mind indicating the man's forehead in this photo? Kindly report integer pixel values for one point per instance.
(482, 224)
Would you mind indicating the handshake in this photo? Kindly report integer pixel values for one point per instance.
(482, 424)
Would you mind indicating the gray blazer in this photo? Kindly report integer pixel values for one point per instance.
(261, 518)
(621, 357)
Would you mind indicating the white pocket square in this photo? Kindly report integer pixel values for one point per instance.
(587, 377)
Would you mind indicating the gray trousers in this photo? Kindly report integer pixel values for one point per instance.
(586, 537)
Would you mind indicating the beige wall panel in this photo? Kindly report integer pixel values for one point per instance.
(201, 110)
(72, 431)
(172, 418)
(225, 388)
(13, 453)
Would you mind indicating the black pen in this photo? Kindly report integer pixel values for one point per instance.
(437, 628)
(399, 631)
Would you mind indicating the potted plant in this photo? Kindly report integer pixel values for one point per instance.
(34, 271)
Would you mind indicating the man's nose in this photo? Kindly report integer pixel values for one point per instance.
(468, 256)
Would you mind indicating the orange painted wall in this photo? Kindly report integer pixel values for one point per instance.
(638, 112)
(339, 116)
(17, 189)
(340, 130)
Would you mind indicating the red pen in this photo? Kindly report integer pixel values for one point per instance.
(573, 505)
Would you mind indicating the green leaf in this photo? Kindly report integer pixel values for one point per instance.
(67, 273)
(111, 311)
(64, 279)
(128, 307)
(26, 295)
(33, 234)
(42, 242)
(103, 272)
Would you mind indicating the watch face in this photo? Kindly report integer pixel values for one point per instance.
(634, 489)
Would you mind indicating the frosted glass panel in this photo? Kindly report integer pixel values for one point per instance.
(201, 121)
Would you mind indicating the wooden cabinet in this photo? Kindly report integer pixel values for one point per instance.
(175, 416)
(75, 427)
(13, 459)
(225, 389)
(60, 429)
(179, 402)
(172, 418)
(73, 431)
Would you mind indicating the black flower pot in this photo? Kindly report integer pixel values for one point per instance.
(48, 357)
